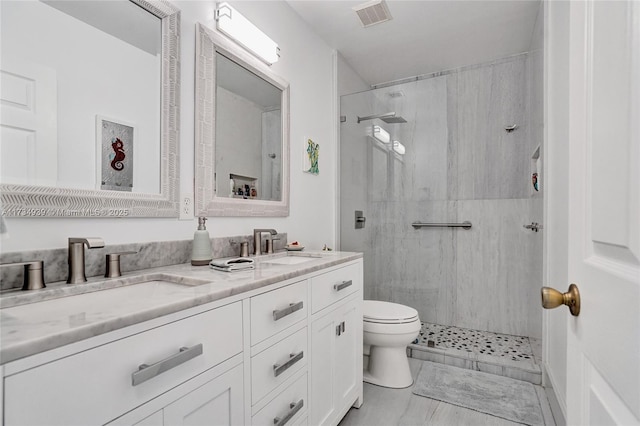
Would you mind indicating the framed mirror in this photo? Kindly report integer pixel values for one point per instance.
(90, 108)
(242, 132)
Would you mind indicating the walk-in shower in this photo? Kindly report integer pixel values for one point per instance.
(478, 273)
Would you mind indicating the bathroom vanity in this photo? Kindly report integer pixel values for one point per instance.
(281, 344)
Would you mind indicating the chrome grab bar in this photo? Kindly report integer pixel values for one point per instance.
(278, 369)
(464, 225)
(294, 408)
(281, 313)
(146, 372)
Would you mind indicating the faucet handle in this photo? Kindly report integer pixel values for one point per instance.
(270, 243)
(113, 264)
(33, 274)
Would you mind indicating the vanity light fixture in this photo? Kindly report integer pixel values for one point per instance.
(230, 22)
(381, 134)
(398, 147)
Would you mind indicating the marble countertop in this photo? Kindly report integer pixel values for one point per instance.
(40, 320)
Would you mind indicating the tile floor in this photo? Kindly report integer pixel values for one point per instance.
(389, 407)
(511, 356)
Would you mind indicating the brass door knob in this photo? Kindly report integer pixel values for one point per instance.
(552, 298)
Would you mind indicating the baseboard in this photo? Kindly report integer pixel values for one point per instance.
(554, 402)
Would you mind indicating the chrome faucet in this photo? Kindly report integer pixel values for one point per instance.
(76, 257)
(257, 239)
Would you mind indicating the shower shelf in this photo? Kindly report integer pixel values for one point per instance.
(464, 225)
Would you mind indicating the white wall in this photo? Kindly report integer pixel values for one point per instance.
(348, 81)
(307, 63)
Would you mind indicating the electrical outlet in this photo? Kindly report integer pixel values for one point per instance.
(186, 207)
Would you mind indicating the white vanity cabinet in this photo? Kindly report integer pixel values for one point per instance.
(219, 401)
(289, 353)
(97, 385)
(336, 344)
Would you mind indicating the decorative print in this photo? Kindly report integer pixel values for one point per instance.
(534, 181)
(116, 163)
(311, 157)
(115, 154)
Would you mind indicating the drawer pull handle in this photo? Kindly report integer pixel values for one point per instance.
(293, 358)
(340, 328)
(146, 372)
(281, 313)
(295, 407)
(344, 284)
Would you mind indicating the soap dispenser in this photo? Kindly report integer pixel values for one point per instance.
(201, 254)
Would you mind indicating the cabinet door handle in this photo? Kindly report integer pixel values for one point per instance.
(278, 369)
(281, 313)
(344, 284)
(294, 408)
(146, 372)
(338, 329)
(342, 324)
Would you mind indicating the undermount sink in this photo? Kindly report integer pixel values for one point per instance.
(290, 260)
(137, 286)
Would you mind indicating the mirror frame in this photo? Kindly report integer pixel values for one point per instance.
(208, 43)
(40, 201)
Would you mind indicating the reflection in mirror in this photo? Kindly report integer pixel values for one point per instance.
(248, 133)
(243, 122)
(87, 89)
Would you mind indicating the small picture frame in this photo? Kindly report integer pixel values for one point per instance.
(311, 157)
(114, 154)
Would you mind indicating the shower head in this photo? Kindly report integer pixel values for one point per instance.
(389, 117)
(393, 120)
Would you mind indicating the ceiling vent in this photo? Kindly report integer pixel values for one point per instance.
(372, 12)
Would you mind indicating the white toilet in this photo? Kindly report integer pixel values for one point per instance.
(388, 329)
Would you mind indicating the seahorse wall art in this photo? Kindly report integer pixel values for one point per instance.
(313, 152)
(119, 156)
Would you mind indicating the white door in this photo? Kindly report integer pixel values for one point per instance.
(603, 342)
(28, 123)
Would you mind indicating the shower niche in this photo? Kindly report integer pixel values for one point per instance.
(536, 171)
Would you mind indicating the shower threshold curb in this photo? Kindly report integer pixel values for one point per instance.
(519, 370)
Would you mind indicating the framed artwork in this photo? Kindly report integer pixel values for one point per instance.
(114, 150)
(311, 157)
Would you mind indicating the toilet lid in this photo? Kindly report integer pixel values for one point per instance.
(387, 312)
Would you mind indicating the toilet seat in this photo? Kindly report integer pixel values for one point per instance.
(377, 312)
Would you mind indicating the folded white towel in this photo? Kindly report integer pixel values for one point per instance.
(233, 268)
(235, 264)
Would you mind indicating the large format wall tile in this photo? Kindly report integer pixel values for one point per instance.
(491, 162)
(498, 271)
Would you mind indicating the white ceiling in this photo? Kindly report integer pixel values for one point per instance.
(424, 36)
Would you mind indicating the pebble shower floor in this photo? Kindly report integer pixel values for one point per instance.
(505, 346)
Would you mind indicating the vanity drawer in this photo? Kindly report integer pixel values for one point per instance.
(95, 386)
(277, 363)
(333, 286)
(288, 408)
(278, 309)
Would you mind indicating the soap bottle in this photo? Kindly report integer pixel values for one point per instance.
(201, 254)
(232, 186)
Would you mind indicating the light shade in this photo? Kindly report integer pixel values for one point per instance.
(381, 134)
(232, 23)
(398, 147)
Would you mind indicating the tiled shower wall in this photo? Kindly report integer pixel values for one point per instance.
(460, 164)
